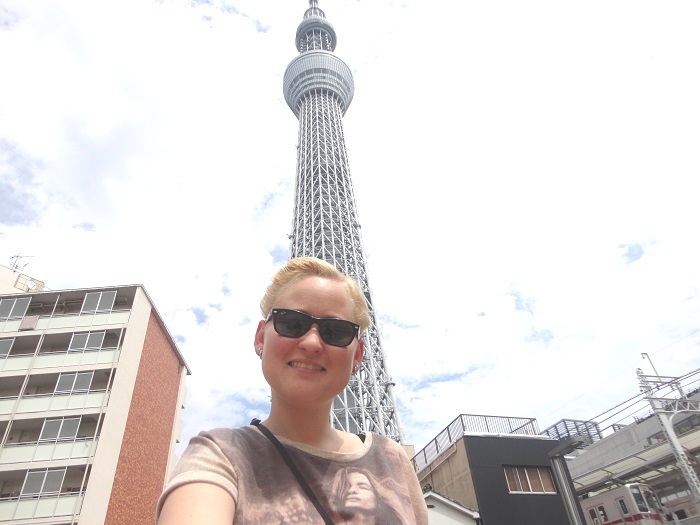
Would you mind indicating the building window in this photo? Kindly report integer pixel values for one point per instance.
(60, 429)
(47, 481)
(594, 517)
(98, 302)
(86, 341)
(530, 479)
(73, 382)
(13, 308)
(5, 346)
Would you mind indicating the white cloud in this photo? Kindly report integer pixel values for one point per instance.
(499, 150)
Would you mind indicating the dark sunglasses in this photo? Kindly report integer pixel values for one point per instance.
(335, 332)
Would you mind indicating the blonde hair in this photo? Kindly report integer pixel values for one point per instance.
(297, 269)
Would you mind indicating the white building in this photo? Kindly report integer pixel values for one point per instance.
(444, 511)
(91, 387)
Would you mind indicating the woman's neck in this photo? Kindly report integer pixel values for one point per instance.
(309, 426)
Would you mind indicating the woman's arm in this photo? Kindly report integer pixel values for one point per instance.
(197, 504)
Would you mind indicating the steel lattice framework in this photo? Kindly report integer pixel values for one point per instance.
(318, 87)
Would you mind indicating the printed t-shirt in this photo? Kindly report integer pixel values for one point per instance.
(376, 480)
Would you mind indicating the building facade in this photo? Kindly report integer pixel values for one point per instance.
(502, 468)
(91, 388)
(318, 87)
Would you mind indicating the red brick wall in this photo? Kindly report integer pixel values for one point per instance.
(144, 454)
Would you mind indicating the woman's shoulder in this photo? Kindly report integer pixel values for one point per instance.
(391, 452)
(385, 443)
(231, 440)
(226, 433)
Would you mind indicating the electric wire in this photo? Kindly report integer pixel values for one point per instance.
(605, 381)
(632, 401)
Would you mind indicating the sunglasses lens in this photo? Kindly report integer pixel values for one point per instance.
(291, 324)
(337, 332)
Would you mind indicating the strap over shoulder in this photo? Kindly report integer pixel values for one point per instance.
(295, 470)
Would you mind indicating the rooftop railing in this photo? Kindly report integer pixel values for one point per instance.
(472, 424)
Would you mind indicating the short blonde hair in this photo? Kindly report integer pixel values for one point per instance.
(297, 269)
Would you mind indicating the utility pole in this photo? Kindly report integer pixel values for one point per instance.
(563, 478)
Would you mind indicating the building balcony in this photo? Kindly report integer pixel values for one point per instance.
(14, 509)
(80, 448)
(54, 402)
(15, 363)
(42, 496)
(77, 320)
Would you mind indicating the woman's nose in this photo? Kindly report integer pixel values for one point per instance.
(311, 340)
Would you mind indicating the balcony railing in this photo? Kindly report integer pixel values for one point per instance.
(53, 401)
(46, 322)
(58, 359)
(15, 508)
(468, 423)
(48, 451)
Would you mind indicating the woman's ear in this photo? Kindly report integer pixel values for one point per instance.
(359, 352)
(259, 340)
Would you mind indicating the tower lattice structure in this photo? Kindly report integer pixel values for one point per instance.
(318, 87)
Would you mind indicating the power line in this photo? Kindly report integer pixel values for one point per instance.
(668, 384)
(607, 380)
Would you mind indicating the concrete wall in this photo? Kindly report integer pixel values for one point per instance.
(7, 281)
(450, 475)
(621, 444)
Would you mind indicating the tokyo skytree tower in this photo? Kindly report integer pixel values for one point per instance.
(318, 87)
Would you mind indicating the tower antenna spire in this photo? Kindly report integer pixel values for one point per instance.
(319, 87)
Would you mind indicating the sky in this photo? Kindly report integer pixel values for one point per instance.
(525, 175)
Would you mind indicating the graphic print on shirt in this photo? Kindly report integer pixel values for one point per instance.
(358, 494)
(376, 484)
(350, 495)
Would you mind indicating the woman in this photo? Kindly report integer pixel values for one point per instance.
(358, 495)
(309, 345)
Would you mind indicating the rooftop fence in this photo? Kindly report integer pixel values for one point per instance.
(472, 424)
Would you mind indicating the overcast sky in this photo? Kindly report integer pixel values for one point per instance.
(526, 176)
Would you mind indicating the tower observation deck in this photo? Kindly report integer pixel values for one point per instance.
(318, 87)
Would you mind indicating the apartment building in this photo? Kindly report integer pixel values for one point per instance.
(91, 388)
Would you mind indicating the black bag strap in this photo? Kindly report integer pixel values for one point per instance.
(297, 473)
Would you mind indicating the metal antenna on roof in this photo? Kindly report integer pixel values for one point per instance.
(16, 262)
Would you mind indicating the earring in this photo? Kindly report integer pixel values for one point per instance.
(355, 368)
(259, 351)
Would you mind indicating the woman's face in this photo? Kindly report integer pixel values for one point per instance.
(360, 493)
(306, 371)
